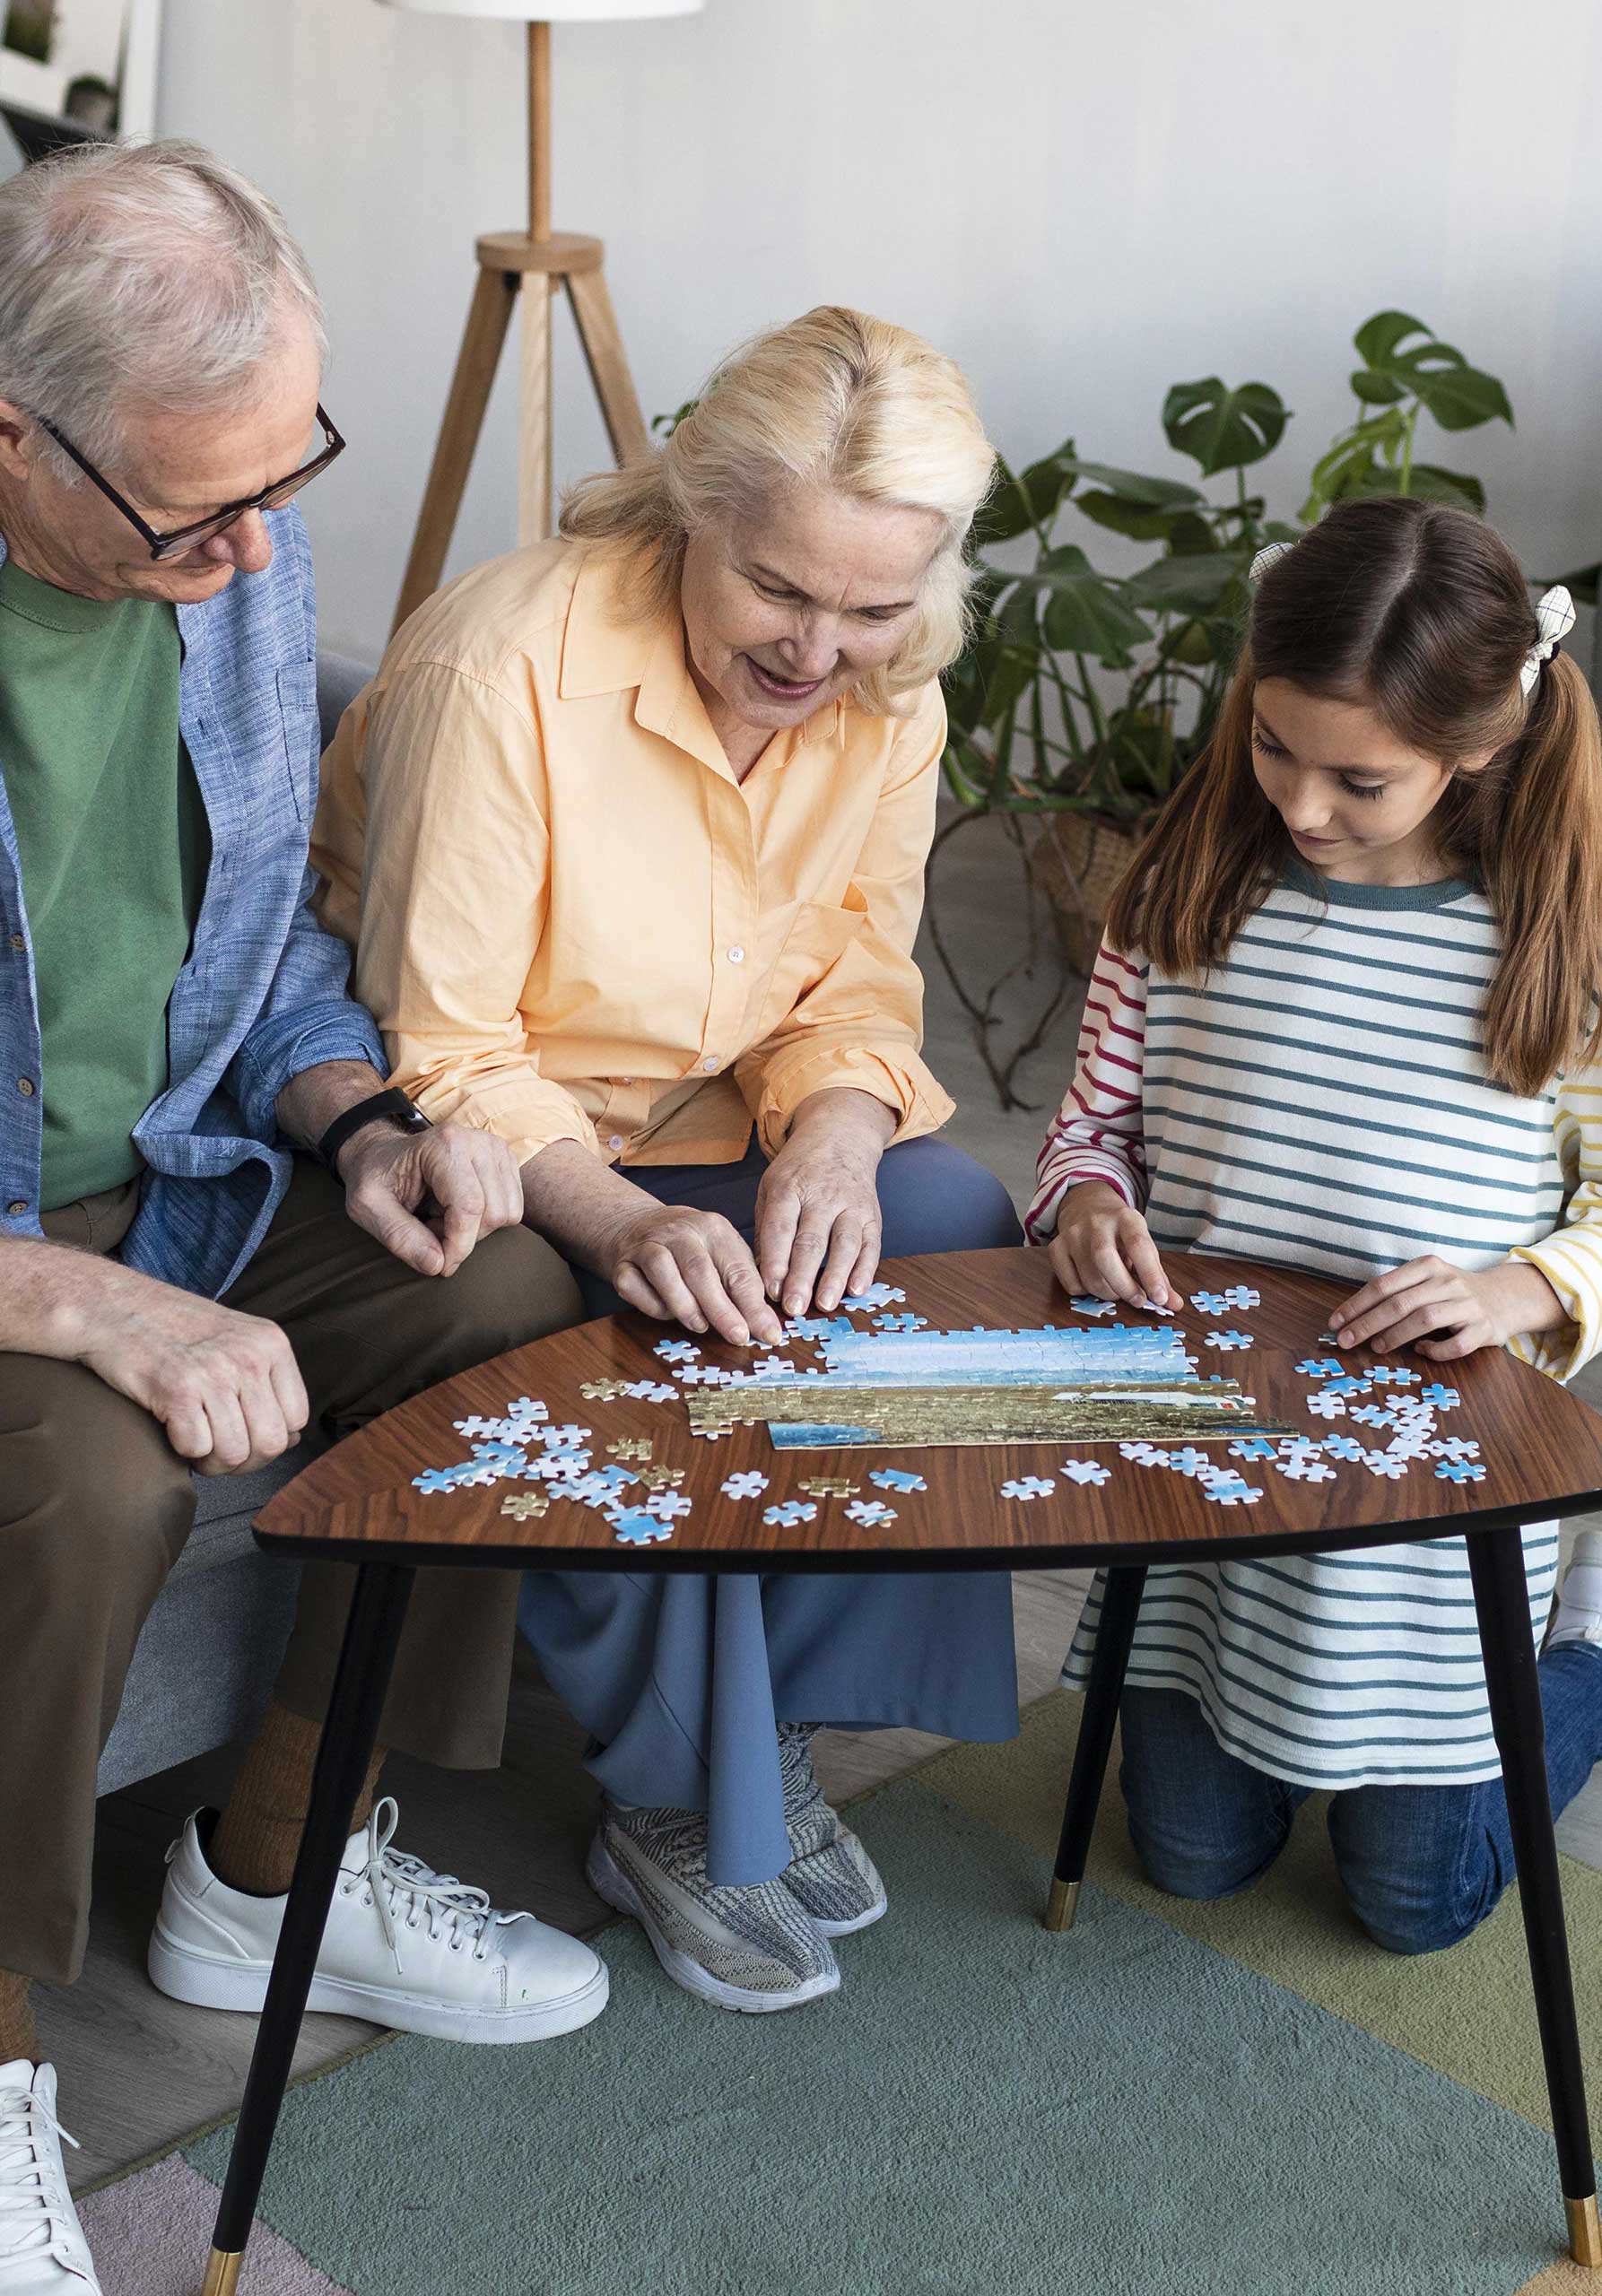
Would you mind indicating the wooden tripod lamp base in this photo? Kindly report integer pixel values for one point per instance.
(515, 269)
(524, 270)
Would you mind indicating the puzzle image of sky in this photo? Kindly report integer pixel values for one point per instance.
(883, 1389)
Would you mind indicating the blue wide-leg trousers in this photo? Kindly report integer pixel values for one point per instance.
(682, 1680)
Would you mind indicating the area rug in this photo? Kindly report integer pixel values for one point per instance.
(1243, 2100)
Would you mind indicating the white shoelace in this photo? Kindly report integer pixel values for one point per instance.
(28, 2223)
(410, 1895)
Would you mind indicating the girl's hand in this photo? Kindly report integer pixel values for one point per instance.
(1103, 1245)
(1461, 1312)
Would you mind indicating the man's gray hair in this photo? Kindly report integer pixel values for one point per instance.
(140, 276)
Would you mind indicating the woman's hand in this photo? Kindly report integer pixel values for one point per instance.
(817, 1210)
(1462, 1312)
(1103, 1247)
(693, 1268)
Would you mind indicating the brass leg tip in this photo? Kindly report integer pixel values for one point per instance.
(223, 2273)
(1585, 2233)
(1062, 1904)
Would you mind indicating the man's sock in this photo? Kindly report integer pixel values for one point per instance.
(17, 2036)
(254, 1846)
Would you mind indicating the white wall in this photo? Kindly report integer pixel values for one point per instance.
(1081, 204)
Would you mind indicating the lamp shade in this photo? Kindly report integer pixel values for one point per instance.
(550, 12)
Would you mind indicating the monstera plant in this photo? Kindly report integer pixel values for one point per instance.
(1084, 694)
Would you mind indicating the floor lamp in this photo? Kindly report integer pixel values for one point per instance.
(526, 269)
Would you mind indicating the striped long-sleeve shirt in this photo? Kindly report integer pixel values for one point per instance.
(1320, 1099)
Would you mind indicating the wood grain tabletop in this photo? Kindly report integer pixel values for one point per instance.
(1541, 1447)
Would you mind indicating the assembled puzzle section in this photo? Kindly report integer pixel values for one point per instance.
(927, 1389)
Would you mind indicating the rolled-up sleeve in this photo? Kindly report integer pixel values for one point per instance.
(860, 1024)
(307, 1018)
(436, 863)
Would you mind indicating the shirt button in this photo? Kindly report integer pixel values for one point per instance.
(616, 1142)
(18, 943)
(708, 1063)
(25, 1086)
(17, 1209)
(625, 1080)
(736, 955)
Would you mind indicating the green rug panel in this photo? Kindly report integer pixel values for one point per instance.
(982, 2107)
(1469, 2012)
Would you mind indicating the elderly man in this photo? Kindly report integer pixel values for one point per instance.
(179, 1290)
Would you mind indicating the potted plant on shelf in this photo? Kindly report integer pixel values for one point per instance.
(1082, 695)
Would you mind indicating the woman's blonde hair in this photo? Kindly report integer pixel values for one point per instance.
(836, 399)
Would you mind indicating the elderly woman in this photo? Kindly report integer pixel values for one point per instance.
(630, 832)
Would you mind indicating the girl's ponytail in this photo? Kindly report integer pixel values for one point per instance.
(1532, 822)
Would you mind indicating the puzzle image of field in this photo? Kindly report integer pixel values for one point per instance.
(906, 1389)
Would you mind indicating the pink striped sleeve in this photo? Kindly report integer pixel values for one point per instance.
(1098, 1133)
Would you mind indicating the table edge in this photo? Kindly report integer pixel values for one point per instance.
(1067, 1555)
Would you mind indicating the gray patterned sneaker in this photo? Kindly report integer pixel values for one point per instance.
(833, 1875)
(751, 1948)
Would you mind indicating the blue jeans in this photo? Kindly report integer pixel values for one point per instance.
(1422, 1866)
(680, 1679)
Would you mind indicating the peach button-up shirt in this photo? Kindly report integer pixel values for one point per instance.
(572, 922)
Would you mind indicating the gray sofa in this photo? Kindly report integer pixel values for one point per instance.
(206, 1659)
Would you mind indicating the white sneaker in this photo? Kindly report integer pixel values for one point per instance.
(42, 2248)
(403, 1945)
(1577, 1617)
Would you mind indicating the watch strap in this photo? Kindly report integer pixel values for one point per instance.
(390, 1106)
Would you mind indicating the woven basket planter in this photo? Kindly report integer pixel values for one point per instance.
(1077, 862)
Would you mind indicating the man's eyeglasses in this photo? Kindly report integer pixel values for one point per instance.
(271, 498)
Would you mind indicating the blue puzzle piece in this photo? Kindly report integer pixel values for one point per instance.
(1343, 1447)
(435, 1479)
(1460, 1471)
(1444, 1398)
(896, 1479)
(1252, 1447)
(1085, 1305)
(1321, 1367)
(635, 1527)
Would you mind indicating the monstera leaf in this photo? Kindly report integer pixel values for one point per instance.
(1223, 428)
(1405, 359)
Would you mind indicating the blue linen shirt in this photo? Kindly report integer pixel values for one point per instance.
(262, 994)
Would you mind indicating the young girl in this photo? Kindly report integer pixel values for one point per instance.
(1346, 1017)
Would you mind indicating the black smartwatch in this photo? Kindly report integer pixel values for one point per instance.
(390, 1106)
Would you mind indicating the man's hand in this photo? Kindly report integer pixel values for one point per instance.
(463, 1182)
(1102, 1247)
(817, 1210)
(1462, 1312)
(224, 1386)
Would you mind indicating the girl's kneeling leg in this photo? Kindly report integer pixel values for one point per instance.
(1205, 1825)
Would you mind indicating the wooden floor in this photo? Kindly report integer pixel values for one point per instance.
(138, 2071)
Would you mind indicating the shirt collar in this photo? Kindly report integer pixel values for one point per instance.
(610, 646)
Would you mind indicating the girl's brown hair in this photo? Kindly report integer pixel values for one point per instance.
(1422, 615)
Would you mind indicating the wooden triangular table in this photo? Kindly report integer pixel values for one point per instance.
(1542, 1455)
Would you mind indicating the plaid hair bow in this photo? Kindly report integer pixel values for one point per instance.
(1554, 618)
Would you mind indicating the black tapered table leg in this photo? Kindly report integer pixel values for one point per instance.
(350, 1732)
(1120, 1607)
(1502, 1604)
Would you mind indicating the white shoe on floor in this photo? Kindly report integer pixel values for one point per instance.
(404, 1947)
(42, 2248)
(1577, 1617)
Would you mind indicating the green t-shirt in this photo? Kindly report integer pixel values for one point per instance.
(112, 836)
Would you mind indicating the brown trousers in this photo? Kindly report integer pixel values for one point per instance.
(95, 1506)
